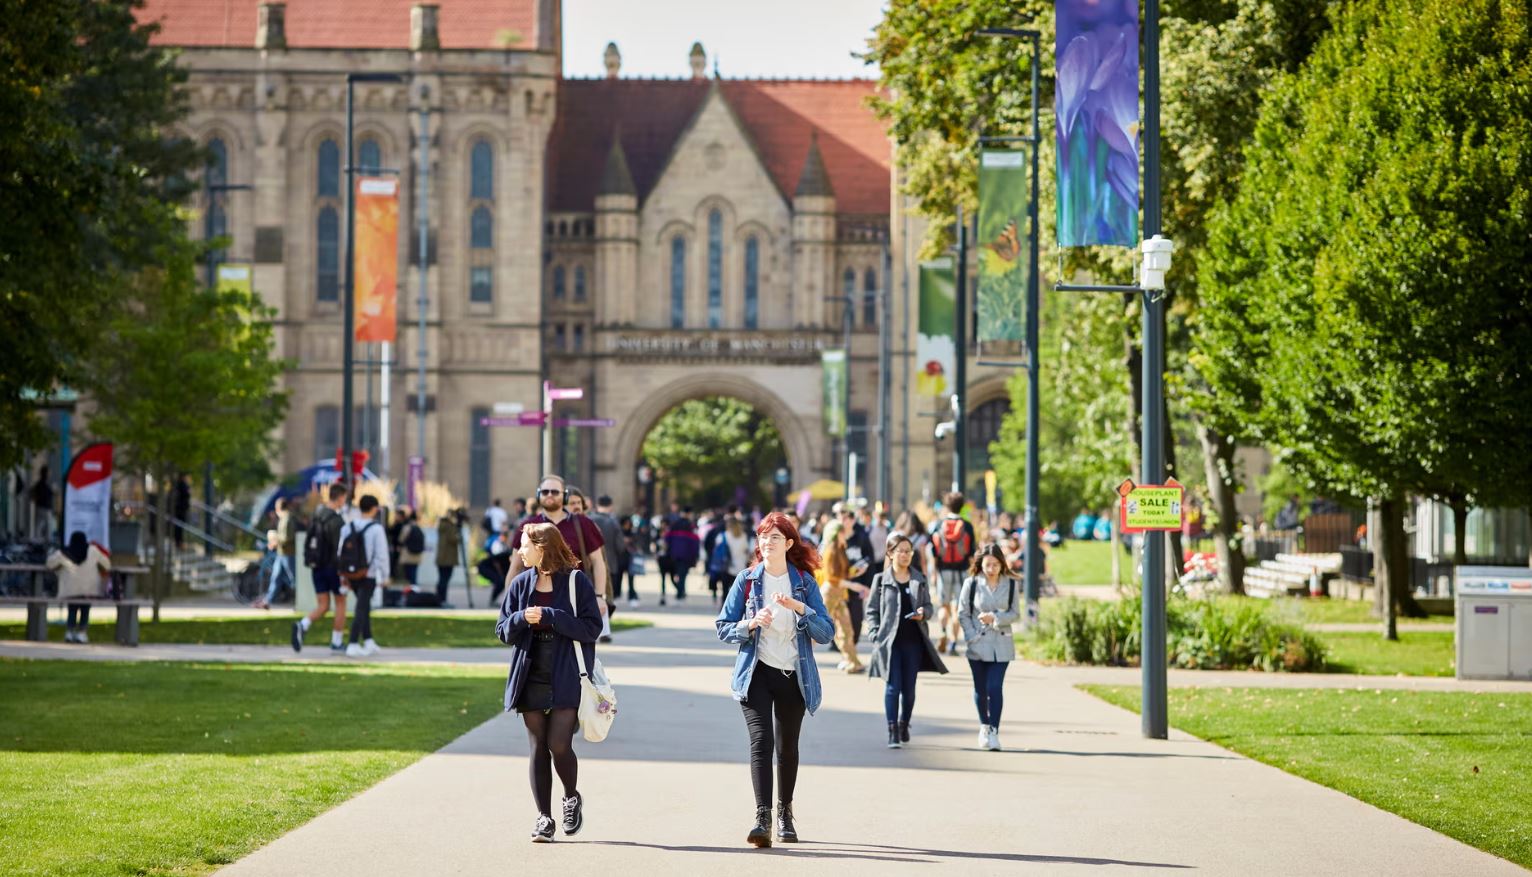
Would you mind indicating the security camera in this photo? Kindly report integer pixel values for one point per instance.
(944, 429)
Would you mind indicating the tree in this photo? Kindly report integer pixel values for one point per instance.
(1371, 279)
(707, 448)
(181, 374)
(91, 181)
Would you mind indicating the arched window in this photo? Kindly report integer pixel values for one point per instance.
(752, 282)
(677, 282)
(327, 269)
(217, 224)
(558, 283)
(714, 270)
(329, 170)
(579, 337)
(870, 299)
(848, 290)
(482, 172)
(369, 157)
(983, 430)
(481, 243)
(579, 283)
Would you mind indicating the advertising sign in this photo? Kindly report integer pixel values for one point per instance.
(88, 495)
(833, 390)
(377, 258)
(1096, 114)
(1005, 190)
(1152, 506)
(935, 347)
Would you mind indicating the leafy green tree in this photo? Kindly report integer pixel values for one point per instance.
(90, 180)
(706, 448)
(1371, 280)
(181, 374)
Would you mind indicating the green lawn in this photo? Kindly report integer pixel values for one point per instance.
(140, 768)
(398, 629)
(1323, 610)
(1455, 762)
(1085, 563)
(1429, 653)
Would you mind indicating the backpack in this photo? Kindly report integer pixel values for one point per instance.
(487, 525)
(319, 550)
(353, 553)
(953, 544)
(415, 542)
(718, 561)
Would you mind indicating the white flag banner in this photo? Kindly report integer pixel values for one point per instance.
(88, 496)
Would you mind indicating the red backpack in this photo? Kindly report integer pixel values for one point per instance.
(953, 544)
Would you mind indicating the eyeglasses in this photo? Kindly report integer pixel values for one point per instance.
(549, 491)
(904, 549)
(774, 539)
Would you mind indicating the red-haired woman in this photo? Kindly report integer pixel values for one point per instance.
(774, 613)
(548, 611)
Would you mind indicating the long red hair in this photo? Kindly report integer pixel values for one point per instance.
(802, 555)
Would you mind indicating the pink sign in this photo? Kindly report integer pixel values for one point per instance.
(559, 393)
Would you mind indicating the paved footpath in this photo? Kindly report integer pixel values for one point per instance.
(669, 793)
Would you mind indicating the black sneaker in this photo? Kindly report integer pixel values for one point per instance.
(893, 736)
(542, 833)
(605, 638)
(574, 814)
(297, 636)
(904, 732)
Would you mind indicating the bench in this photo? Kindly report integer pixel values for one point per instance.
(126, 632)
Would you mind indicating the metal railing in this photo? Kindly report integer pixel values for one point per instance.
(186, 527)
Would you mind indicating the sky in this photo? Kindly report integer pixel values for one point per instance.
(779, 38)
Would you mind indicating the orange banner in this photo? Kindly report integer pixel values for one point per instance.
(377, 257)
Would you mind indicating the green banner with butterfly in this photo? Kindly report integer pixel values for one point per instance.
(1004, 189)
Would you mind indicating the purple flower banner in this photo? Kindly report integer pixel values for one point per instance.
(1096, 109)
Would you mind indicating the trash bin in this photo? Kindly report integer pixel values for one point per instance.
(1494, 622)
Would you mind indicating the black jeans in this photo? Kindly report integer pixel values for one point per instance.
(904, 662)
(773, 692)
(443, 577)
(857, 608)
(361, 618)
(84, 612)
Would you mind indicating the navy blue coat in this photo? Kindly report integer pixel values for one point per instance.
(512, 628)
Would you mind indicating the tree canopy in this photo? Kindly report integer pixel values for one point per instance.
(707, 448)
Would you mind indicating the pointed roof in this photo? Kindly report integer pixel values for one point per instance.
(615, 179)
(815, 180)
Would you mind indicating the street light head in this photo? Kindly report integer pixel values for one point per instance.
(944, 429)
(1157, 252)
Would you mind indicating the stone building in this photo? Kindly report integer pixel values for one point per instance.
(647, 240)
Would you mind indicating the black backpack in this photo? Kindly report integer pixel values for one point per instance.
(353, 553)
(319, 550)
(415, 542)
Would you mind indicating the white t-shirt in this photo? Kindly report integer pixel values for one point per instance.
(779, 642)
(739, 551)
(497, 517)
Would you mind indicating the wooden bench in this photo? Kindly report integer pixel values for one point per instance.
(126, 632)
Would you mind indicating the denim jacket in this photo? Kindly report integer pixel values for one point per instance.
(745, 598)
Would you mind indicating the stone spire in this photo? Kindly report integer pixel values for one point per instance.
(815, 180)
(615, 179)
(613, 61)
(698, 59)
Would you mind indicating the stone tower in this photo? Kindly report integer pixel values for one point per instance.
(814, 238)
(616, 241)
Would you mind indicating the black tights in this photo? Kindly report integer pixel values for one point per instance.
(772, 691)
(551, 736)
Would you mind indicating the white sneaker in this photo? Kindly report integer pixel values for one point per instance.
(994, 740)
(370, 647)
(69, 635)
(984, 736)
(842, 665)
(355, 651)
(80, 636)
(632, 602)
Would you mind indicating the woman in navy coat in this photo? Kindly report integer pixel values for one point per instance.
(540, 622)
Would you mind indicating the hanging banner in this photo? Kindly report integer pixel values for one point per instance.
(235, 277)
(935, 347)
(1005, 188)
(377, 257)
(1096, 113)
(834, 391)
(88, 496)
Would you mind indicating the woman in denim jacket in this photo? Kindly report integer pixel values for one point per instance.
(773, 611)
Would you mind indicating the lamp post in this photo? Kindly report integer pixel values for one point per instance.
(211, 188)
(348, 363)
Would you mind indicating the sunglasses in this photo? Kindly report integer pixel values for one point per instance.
(554, 492)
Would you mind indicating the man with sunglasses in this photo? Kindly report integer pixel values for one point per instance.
(580, 533)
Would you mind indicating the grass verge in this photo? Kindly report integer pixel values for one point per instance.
(1085, 563)
(1324, 610)
(406, 629)
(1455, 762)
(1429, 653)
(141, 768)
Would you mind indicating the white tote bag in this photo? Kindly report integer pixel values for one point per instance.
(598, 700)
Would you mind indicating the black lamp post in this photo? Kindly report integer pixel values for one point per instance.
(211, 188)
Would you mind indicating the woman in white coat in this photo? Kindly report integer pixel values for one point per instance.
(987, 607)
(81, 566)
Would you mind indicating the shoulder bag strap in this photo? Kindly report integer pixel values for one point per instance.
(574, 604)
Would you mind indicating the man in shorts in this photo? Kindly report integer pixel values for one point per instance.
(326, 528)
(953, 544)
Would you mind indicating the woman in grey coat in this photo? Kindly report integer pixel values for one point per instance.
(897, 611)
(986, 611)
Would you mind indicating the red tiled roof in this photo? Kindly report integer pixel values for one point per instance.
(779, 115)
(342, 24)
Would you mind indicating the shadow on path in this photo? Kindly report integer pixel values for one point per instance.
(882, 853)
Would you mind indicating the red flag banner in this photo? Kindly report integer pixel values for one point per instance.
(377, 257)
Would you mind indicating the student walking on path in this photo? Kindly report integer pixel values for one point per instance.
(538, 619)
(321, 554)
(370, 568)
(897, 611)
(835, 590)
(774, 613)
(953, 545)
(986, 610)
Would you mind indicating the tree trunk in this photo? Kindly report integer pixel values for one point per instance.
(1391, 566)
(1175, 558)
(162, 542)
(1459, 506)
(1218, 463)
(1133, 360)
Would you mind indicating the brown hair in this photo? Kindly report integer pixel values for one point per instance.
(556, 555)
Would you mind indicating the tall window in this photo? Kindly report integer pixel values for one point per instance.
(481, 223)
(560, 343)
(677, 282)
(870, 299)
(369, 157)
(847, 289)
(478, 458)
(579, 337)
(714, 270)
(326, 432)
(579, 283)
(558, 282)
(217, 208)
(752, 282)
(327, 223)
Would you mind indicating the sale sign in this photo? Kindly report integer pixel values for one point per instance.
(1151, 506)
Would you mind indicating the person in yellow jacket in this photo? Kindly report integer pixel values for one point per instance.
(835, 585)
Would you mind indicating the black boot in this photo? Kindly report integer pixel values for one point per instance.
(786, 832)
(893, 736)
(760, 835)
(904, 732)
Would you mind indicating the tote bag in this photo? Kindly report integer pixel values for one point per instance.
(598, 700)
